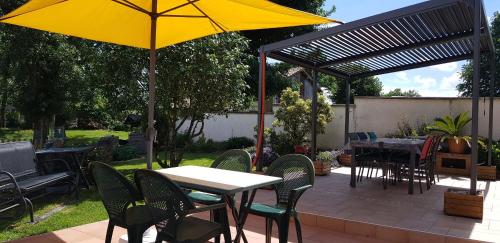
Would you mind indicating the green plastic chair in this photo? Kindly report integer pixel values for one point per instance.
(234, 160)
(170, 209)
(119, 197)
(297, 172)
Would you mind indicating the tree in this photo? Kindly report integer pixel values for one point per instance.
(369, 86)
(294, 116)
(399, 92)
(196, 80)
(465, 87)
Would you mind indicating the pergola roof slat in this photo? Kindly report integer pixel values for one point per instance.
(424, 34)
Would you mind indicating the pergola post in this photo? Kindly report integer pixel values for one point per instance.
(475, 95)
(261, 109)
(490, 118)
(347, 107)
(314, 115)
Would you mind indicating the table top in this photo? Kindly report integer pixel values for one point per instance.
(390, 143)
(65, 150)
(217, 180)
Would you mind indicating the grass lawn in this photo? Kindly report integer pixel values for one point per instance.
(90, 208)
(75, 137)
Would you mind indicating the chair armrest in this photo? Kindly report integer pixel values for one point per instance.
(294, 196)
(206, 208)
(44, 162)
(13, 181)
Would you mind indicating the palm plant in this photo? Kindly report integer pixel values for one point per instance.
(452, 128)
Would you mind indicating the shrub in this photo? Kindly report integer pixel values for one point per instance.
(325, 156)
(126, 152)
(280, 142)
(238, 143)
(204, 145)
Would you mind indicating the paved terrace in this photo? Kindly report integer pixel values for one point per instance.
(332, 197)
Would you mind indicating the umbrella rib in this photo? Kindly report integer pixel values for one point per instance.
(206, 15)
(182, 16)
(1, 19)
(128, 4)
(180, 6)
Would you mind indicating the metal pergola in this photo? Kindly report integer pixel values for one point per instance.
(420, 35)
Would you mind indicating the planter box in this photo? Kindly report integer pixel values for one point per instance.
(487, 172)
(454, 164)
(459, 202)
(345, 159)
(322, 168)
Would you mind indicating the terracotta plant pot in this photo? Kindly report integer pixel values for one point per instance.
(456, 146)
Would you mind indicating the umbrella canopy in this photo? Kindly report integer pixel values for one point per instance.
(128, 22)
(153, 24)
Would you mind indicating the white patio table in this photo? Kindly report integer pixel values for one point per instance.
(222, 182)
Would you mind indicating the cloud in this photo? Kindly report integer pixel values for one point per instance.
(446, 67)
(425, 82)
(450, 82)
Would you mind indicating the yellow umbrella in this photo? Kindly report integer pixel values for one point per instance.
(153, 24)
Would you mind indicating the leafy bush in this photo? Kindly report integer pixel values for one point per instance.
(294, 116)
(325, 156)
(126, 152)
(204, 145)
(280, 142)
(239, 143)
(405, 129)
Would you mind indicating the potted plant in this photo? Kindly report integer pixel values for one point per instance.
(452, 128)
(323, 163)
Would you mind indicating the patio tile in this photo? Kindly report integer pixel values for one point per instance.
(391, 234)
(357, 228)
(421, 237)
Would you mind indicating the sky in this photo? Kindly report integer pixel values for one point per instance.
(434, 81)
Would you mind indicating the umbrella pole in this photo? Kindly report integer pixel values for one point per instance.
(151, 132)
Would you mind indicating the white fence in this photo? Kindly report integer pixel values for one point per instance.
(377, 114)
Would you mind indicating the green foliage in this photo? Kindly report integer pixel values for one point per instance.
(196, 80)
(125, 152)
(405, 129)
(401, 93)
(281, 142)
(449, 126)
(325, 156)
(465, 87)
(294, 116)
(239, 143)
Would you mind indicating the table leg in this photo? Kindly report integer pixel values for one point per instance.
(234, 212)
(243, 214)
(412, 171)
(78, 166)
(353, 167)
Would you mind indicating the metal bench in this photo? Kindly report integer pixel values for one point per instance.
(24, 178)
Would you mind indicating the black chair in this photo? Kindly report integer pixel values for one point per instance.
(362, 136)
(353, 136)
(372, 135)
(297, 172)
(170, 209)
(234, 160)
(118, 194)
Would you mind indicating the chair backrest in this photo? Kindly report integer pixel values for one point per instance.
(166, 200)
(426, 151)
(362, 136)
(296, 170)
(353, 136)
(19, 159)
(116, 191)
(372, 135)
(235, 160)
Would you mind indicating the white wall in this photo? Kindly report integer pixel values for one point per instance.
(377, 114)
(383, 114)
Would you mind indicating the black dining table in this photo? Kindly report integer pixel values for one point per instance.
(411, 145)
(77, 155)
